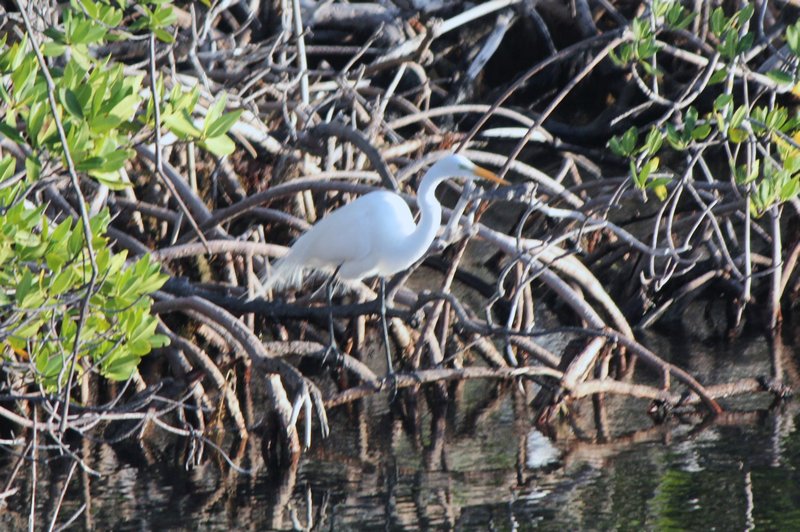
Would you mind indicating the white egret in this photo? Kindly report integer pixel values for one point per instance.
(374, 235)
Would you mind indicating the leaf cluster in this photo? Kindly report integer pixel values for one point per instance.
(44, 272)
(770, 175)
(45, 266)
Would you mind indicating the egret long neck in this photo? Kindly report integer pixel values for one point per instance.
(430, 219)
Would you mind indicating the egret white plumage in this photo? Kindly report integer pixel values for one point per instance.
(375, 235)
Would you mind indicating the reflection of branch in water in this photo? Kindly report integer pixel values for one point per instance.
(404, 380)
(281, 482)
(434, 452)
(591, 450)
(600, 417)
(579, 450)
(481, 411)
(406, 412)
(227, 483)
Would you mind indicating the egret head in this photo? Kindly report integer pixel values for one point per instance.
(458, 166)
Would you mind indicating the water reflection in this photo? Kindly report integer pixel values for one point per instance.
(472, 462)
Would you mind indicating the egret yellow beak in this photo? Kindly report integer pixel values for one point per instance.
(489, 176)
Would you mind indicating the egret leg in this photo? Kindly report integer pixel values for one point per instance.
(384, 323)
(332, 348)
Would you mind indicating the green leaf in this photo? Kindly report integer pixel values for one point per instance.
(32, 169)
(112, 180)
(26, 238)
(80, 54)
(49, 367)
(61, 282)
(792, 163)
(94, 33)
(125, 109)
(629, 138)
(71, 104)
(163, 36)
(743, 17)
(55, 34)
(29, 294)
(89, 163)
(181, 124)
(718, 21)
(53, 49)
(737, 135)
(678, 17)
(745, 43)
(103, 124)
(659, 187)
(718, 77)
(6, 168)
(26, 331)
(776, 118)
(221, 125)
(219, 146)
(738, 117)
(159, 340)
(615, 146)
(90, 8)
(121, 367)
(11, 133)
(793, 38)
(115, 160)
(214, 112)
(653, 142)
(701, 132)
(789, 190)
(648, 168)
(730, 44)
(35, 121)
(690, 119)
(742, 177)
(674, 138)
(622, 56)
(165, 16)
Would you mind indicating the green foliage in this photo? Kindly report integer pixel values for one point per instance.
(98, 104)
(625, 146)
(44, 271)
(212, 136)
(79, 32)
(157, 16)
(644, 45)
(45, 267)
(728, 30)
(771, 176)
(642, 173)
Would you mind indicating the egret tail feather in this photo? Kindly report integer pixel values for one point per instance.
(284, 273)
(289, 272)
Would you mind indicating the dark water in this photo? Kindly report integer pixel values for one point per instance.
(476, 463)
